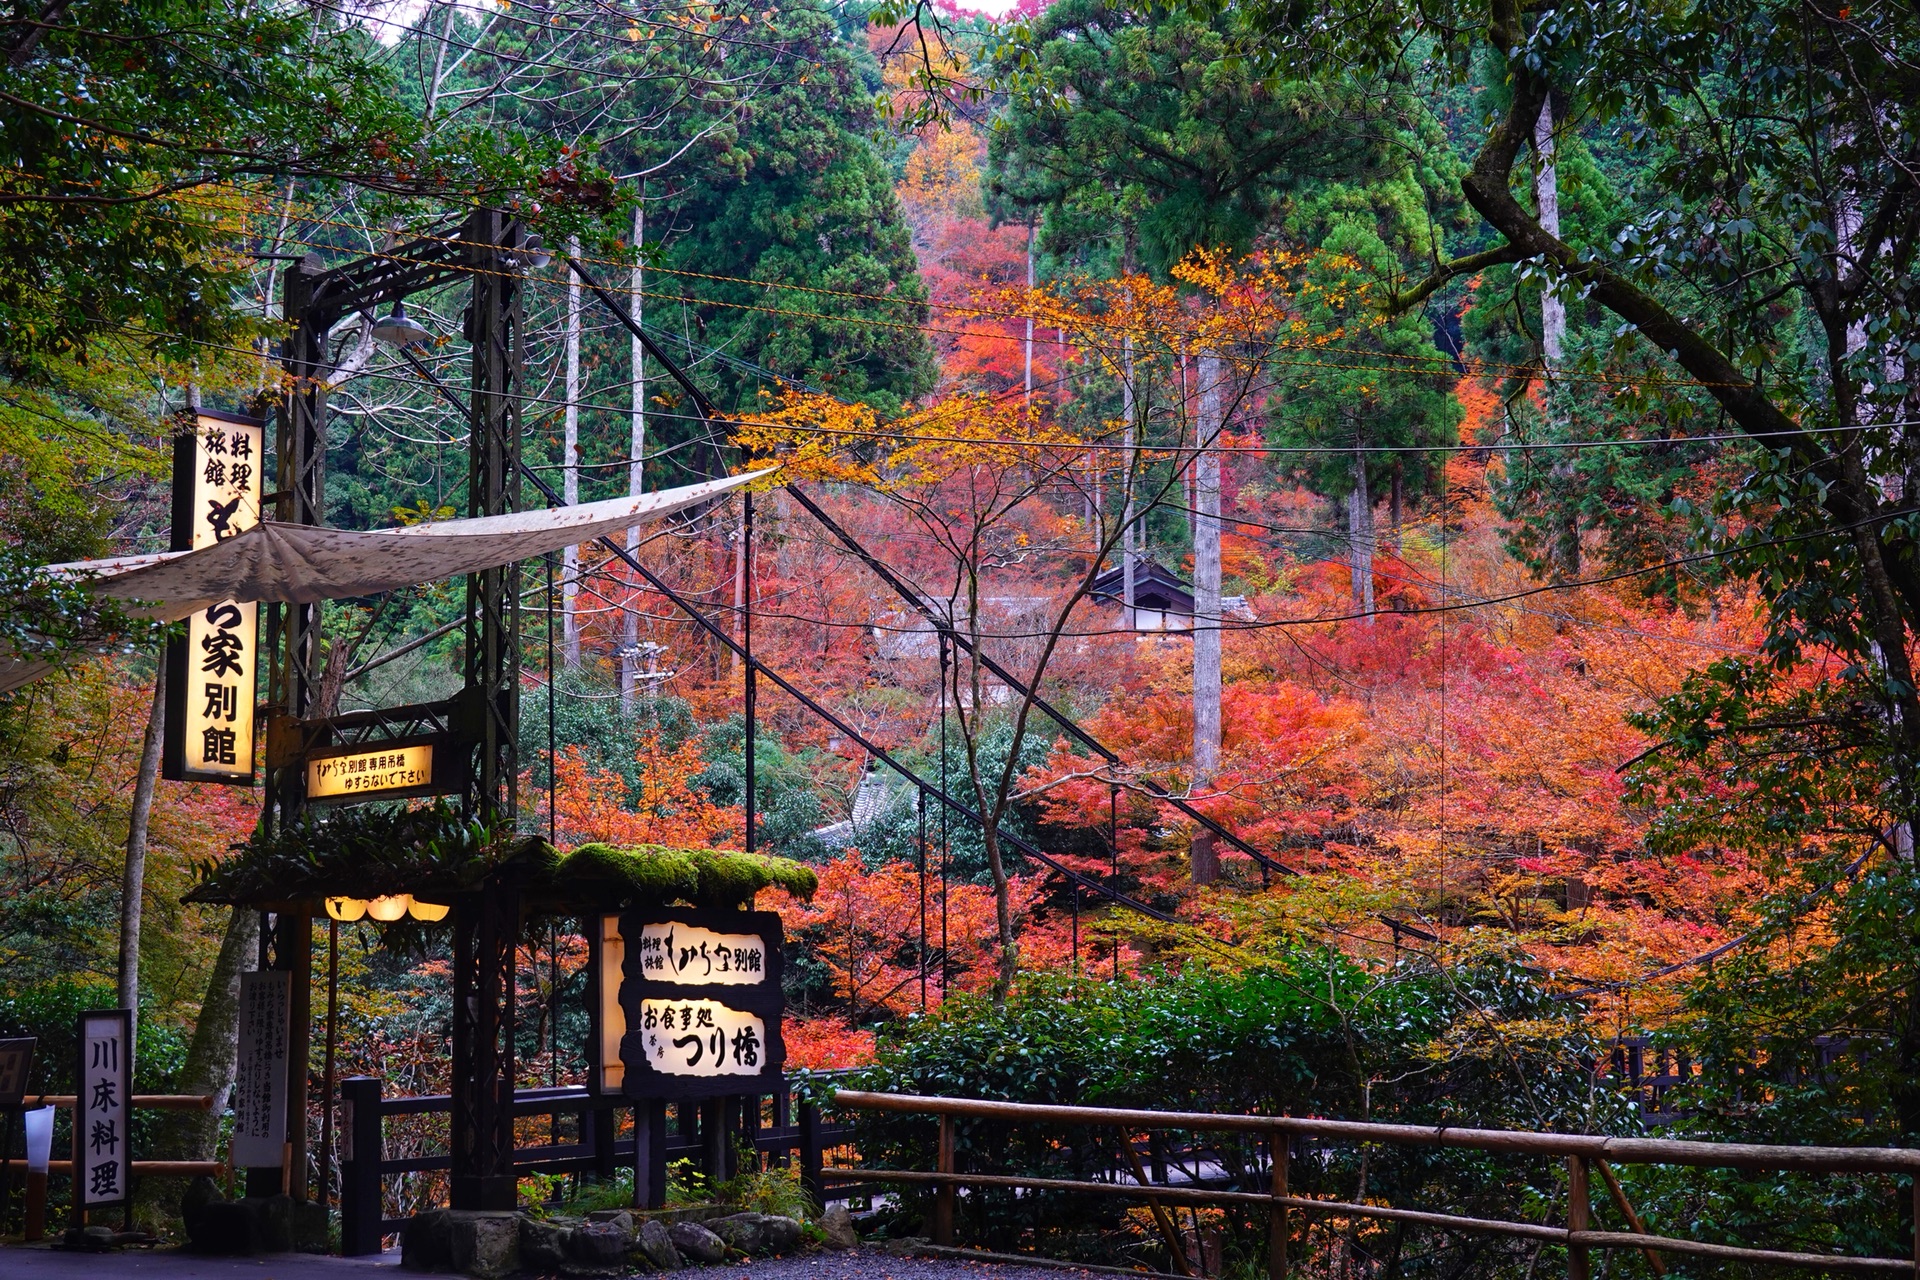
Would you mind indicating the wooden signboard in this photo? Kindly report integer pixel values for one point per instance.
(16, 1061)
(701, 1002)
(102, 1138)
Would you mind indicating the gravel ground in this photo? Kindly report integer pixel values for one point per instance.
(159, 1264)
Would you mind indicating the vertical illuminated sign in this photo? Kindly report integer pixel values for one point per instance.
(211, 674)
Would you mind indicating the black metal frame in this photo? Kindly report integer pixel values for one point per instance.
(489, 248)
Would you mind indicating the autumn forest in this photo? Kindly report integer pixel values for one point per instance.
(1350, 559)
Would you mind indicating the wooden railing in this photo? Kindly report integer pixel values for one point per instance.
(364, 1165)
(1584, 1154)
(143, 1101)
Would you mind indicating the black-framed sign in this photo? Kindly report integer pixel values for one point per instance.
(702, 1001)
(425, 765)
(212, 673)
(103, 1110)
(16, 1062)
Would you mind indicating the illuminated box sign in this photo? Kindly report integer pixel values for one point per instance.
(211, 675)
(388, 770)
(698, 1003)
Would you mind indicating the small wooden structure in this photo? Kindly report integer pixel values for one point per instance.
(493, 890)
(1161, 602)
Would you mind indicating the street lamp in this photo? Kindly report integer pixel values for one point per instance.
(401, 329)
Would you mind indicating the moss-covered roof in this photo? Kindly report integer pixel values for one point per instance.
(432, 854)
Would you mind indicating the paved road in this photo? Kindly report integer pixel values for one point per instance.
(160, 1264)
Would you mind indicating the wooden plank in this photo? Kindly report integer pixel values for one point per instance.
(1715, 1155)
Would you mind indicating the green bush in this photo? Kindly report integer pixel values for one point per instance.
(1480, 1044)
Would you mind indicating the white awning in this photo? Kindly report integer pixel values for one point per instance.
(302, 564)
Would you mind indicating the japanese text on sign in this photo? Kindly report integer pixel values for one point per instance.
(689, 956)
(702, 1038)
(217, 476)
(387, 769)
(101, 1141)
(260, 1078)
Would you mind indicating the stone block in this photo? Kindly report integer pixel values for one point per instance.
(543, 1245)
(272, 1222)
(780, 1235)
(307, 1226)
(656, 1245)
(599, 1246)
(485, 1244)
(426, 1241)
(220, 1228)
(837, 1223)
(696, 1242)
(741, 1231)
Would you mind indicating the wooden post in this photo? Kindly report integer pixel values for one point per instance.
(650, 1154)
(299, 959)
(1277, 1216)
(812, 1157)
(360, 1209)
(36, 1208)
(943, 1197)
(1916, 1224)
(1579, 1210)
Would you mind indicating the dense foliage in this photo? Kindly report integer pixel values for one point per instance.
(1481, 1044)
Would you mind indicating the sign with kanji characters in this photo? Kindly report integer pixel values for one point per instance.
(700, 1003)
(16, 1062)
(388, 771)
(702, 1038)
(260, 1077)
(690, 957)
(102, 1141)
(211, 673)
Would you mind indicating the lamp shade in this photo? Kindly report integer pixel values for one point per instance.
(387, 910)
(401, 329)
(427, 911)
(346, 910)
(39, 1123)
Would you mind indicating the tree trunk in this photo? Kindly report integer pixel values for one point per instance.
(1546, 195)
(570, 473)
(1396, 504)
(1206, 607)
(210, 1057)
(133, 881)
(1565, 555)
(636, 465)
(1128, 533)
(1360, 538)
(1029, 357)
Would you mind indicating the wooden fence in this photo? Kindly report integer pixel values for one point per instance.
(1584, 1154)
(704, 1133)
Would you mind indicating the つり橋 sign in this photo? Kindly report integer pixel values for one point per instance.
(211, 674)
(700, 1003)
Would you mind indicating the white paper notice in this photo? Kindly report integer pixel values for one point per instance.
(260, 1080)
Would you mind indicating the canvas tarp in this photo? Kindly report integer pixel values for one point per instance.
(302, 564)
